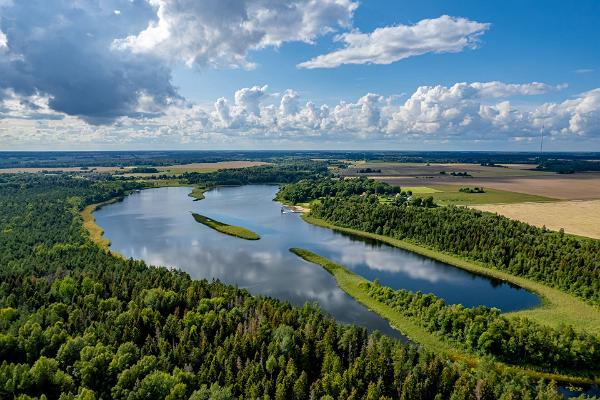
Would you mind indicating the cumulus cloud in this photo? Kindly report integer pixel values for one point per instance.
(220, 33)
(63, 52)
(248, 99)
(3, 41)
(476, 111)
(389, 44)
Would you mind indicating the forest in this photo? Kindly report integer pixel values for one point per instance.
(306, 190)
(284, 172)
(553, 258)
(79, 323)
(483, 330)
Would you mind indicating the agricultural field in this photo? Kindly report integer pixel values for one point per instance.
(451, 195)
(175, 169)
(576, 217)
(179, 169)
(518, 178)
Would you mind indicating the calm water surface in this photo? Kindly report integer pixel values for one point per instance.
(156, 225)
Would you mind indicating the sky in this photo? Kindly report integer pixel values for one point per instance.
(299, 74)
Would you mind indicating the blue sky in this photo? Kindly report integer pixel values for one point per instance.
(336, 74)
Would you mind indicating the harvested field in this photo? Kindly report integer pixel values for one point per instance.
(169, 169)
(579, 186)
(201, 167)
(215, 165)
(576, 217)
(436, 169)
(583, 186)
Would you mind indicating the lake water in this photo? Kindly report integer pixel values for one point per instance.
(156, 225)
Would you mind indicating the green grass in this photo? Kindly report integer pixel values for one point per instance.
(96, 233)
(557, 307)
(198, 193)
(420, 189)
(355, 286)
(231, 230)
(450, 195)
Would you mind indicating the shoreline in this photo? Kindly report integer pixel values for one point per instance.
(556, 307)
(351, 284)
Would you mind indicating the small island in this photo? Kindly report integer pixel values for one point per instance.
(227, 229)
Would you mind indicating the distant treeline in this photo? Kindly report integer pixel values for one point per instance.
(142, 170)
(307, 190)
(161, 158)
(569, 166)
(78, 323)
(553, 258)
(286, 172)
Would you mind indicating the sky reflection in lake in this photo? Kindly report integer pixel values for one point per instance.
(156, 225)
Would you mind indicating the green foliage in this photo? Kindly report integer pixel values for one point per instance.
(231, 230)
(283, 172)
(78, 323)
(552, 258)
(484, 330)
(307, 190)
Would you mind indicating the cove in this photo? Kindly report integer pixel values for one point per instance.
(155, 225)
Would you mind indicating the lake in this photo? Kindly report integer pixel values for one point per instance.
(156, 225)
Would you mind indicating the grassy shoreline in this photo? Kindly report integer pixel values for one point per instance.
(198, 193)
(556, 308)
(353, 284)
(95, 232)
(227, 229)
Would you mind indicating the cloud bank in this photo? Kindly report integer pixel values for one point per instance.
(467, 112)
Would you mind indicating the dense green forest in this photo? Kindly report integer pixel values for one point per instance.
(553, 258)
(76, 322)
(485, 331)
(306, 190)
(285, 172)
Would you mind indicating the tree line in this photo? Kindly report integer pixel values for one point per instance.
(79, 323)
(562, 261)
(485, 331)
(282, 172)
(310, 189)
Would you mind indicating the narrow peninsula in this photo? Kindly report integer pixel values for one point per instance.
(227, 229)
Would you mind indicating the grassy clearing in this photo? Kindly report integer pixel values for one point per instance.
(354, 285)
(231, 230)
(450, 195)
(557, 307)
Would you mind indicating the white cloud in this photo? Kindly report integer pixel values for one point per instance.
(220, 33)
(3, 41)
(386, 45)
(248, 99)
(472, 112)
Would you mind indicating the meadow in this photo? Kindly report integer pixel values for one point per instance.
(451, 195)
(227, 229)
